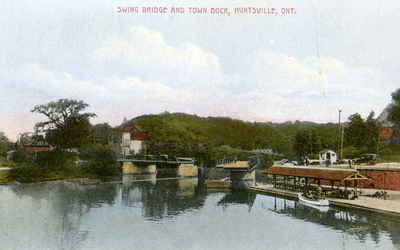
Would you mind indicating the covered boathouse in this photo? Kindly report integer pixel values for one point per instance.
(302, 178)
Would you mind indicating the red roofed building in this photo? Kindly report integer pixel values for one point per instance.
(133, 140)
(140, 136)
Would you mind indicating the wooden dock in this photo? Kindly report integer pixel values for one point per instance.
(387, 207)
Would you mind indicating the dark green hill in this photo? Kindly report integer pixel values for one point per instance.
(179, 134)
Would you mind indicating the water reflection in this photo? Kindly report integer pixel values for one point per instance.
(162, 198)
(238, 198)
(58, 207)
(65, 215)
(357, 223)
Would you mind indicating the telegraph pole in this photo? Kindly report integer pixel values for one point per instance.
(341, 144)
(339, 133)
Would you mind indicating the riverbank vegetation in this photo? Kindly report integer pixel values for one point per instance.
(75, 148)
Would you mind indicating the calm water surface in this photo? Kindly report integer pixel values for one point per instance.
(177, 214)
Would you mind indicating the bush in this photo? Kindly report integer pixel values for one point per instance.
(56, 160)
(351, 152)
(20, 156)
(266, 161)
(26, 172)
(100, 161)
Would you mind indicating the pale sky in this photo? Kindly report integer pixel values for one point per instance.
(329, 55)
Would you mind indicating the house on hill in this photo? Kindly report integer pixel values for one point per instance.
(133, 140)
(387, 130)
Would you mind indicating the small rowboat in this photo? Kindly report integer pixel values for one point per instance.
(316, 202)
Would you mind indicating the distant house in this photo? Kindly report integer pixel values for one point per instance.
(32, 143)
(327, 156)
(133, 141)
(386, 131)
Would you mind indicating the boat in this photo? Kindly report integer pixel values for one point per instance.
(315, 202)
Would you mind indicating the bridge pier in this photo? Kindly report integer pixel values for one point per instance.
(187, 170)
(131, 168)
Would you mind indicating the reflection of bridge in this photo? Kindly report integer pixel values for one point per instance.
(185, 166)
(184, 194)
(238, 198)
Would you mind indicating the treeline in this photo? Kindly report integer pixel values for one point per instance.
(352, 138)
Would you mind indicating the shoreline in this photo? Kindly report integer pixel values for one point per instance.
(385, 207)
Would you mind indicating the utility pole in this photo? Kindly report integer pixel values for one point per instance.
(341, 144)
(339, 133)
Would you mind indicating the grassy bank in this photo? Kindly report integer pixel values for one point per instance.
(5, 163)
(95, 162)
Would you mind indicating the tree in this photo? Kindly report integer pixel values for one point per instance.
(355, 131)
(371, 133)
(4, 144)
(307, 142)
(66, 127)
(100, 161)
(362, 134)
(100, 133)
(394, 109)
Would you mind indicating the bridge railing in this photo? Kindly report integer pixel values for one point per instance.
(226, 161)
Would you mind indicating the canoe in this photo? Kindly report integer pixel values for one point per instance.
(320, 202)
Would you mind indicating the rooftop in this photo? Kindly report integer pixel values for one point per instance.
(337, 174)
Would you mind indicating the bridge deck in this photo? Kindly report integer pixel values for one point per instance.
(155, 161)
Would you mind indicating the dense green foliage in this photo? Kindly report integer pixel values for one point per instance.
(43, 166)
(100, 161)
(310, 142)
(66, 126)
(362, 134)
(27, 172)
(20, 156)
(5, 144)
(100, 133)
(394, 109)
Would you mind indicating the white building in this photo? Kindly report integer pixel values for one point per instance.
(327, 156)
(133, 140)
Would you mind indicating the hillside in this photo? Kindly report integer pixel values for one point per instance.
(193, 133)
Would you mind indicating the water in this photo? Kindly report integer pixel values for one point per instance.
(177, 214)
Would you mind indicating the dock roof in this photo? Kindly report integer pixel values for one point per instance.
(335, 174)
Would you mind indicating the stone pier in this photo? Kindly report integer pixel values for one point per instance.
(187, 170)
(131, 168)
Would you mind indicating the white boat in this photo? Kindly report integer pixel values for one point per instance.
(319, 202)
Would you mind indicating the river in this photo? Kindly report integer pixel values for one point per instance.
(177, 214)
